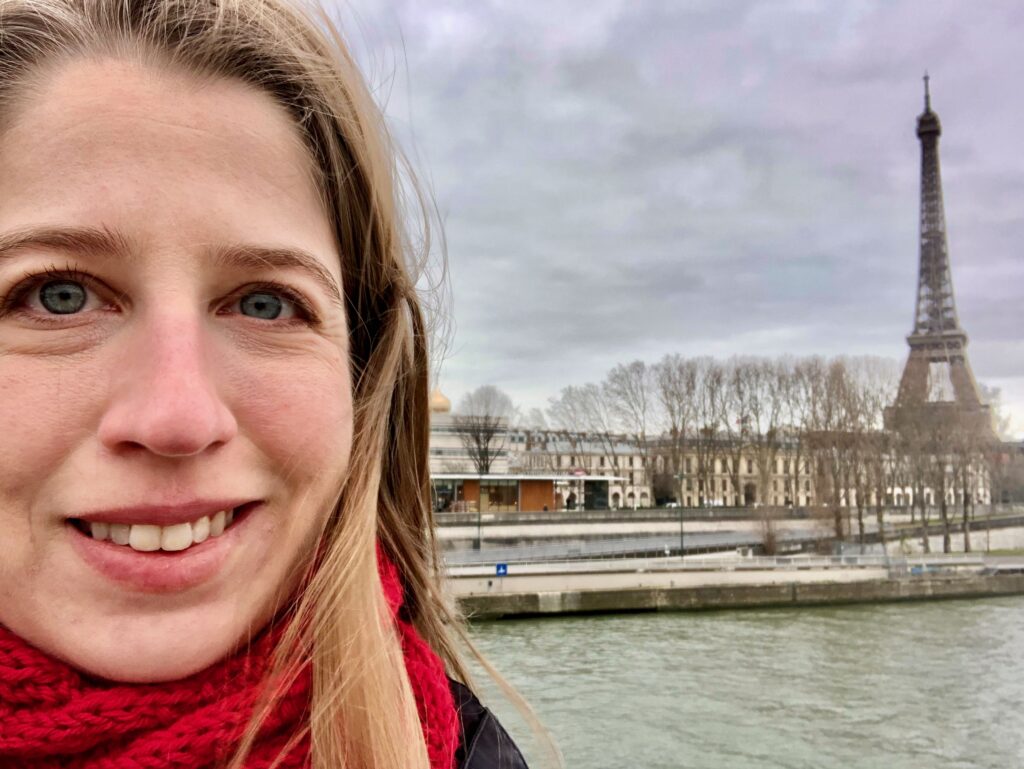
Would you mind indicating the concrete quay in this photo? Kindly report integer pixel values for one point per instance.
(726, 587)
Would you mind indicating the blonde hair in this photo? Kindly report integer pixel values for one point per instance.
(342, 622)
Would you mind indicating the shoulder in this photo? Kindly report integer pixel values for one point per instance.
(483, 742)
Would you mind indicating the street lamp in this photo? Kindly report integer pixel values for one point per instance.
(479, 508)
(682, 551)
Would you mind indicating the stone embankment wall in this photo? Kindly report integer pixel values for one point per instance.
(709, 597)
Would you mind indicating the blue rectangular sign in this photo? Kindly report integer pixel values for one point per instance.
(501, 569)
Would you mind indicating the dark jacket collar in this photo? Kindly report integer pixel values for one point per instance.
(483, 742)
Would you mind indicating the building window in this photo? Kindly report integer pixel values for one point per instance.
(499, 496)
(602, 461)
(689, 467)
(750, 467)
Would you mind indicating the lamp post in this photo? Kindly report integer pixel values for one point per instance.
(479, 508)
(682, 551)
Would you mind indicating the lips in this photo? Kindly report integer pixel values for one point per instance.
(145, 549)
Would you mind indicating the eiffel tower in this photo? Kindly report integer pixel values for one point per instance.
(937, 380)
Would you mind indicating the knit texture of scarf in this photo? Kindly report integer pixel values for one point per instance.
(53, 716)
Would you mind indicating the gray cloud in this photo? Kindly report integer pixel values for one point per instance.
(626, 179)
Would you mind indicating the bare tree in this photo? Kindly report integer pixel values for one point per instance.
(765, 394)
(535, 420)
(483, 419)
(916, 444)
(879, 381)
(1004, 462)
(940, 452)
(708, 416)
(567, 415)
(735, 419)
(828, 439)
(585, 414)
(870, 386)
(631, 400)
(675, 380)
(805, 388)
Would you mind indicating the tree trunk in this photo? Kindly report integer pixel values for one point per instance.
(967, 530)
(967, 499)
(947, 542)
(926, 544)
(880, 517)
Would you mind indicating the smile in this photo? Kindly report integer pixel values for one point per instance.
(147, 538)
(154, 551)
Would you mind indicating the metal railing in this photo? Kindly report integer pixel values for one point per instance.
(896, 566)
(601, 548)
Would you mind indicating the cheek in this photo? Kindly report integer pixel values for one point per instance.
(298, 414)
(47, 408)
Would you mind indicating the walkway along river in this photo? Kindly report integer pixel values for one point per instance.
(933, 685)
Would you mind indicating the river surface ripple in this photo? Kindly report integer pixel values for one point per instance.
(935, 685)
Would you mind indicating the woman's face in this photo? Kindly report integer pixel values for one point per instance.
(173, 352)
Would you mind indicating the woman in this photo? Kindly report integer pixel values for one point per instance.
(214, 498)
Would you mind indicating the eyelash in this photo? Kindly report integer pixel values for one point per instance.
(306, 314)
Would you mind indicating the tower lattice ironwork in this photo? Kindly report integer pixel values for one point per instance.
(937, 378)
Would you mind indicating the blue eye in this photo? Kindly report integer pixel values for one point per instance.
(261, 304)
(62, 297)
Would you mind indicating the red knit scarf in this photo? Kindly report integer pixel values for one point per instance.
(53, 716)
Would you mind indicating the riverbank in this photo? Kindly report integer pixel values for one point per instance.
(788, 593)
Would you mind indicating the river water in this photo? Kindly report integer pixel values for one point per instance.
(932, 685)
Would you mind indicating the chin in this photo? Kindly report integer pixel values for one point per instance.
(151, 649)
(146, 669)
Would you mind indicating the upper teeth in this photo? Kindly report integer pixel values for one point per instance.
(146, 537)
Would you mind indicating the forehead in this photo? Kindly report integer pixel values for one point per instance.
(162, 156)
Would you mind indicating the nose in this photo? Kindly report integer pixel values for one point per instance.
(164, 394)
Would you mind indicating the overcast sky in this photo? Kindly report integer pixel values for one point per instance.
(621, 180)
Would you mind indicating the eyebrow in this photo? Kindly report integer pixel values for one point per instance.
(102, 242)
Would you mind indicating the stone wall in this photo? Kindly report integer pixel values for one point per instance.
(556, 602)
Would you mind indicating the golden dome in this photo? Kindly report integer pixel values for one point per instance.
(439, 403)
